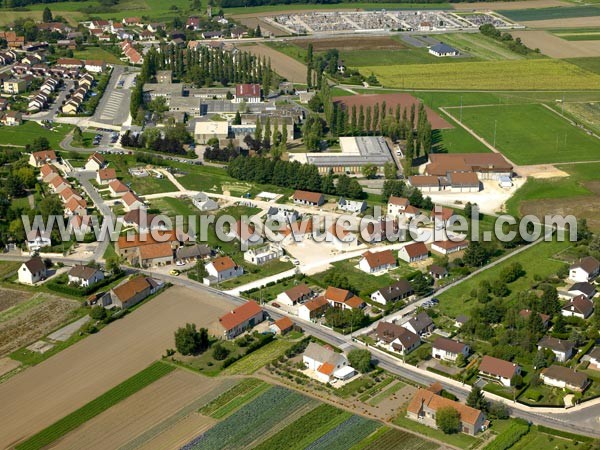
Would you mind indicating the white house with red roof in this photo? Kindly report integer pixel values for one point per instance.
(221, 269)
(241, 319)
(413, 252)
(372, 262)
(397, 205)
(325, 365)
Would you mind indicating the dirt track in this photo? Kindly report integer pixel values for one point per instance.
(284, 65)
(44, 393)
(556, 47)
(141, 411)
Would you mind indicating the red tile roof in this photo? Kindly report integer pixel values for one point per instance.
(223, 263)
(240, 315)
(379, 259)
(498, 367)
(416, 249)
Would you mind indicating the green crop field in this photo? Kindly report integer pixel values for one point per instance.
(530, 134)
(407, 56)
(580, 36)
(523, 15)
(257, 359)
(480, 46)
(538, 74)
(120, 392)
(590, 64)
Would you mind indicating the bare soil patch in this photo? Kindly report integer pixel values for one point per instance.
(541, 171)
(35, 322)
(7, 364)
(587, 207)
(180, 434)
(574, 22)
(284, 65)
(556, 47)
(141, 411)
(499, 6)
(391, 100)
(11, 297)
(37, 397)
(348, 44)
(252, 20)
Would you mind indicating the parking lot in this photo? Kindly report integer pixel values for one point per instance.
(113, 108)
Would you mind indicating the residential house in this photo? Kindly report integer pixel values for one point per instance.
(564, 378)
(460, 320)
(58, 184)
(582, 288)
(75, 206)
(95, 65)
(397, 206)
(38, 159)
(105, 176)
(32, 271)
(131, 201)
(294, 295)
(240, 319)
(341, 238)
(579, 306)
(95, 162)
(15, 86)
(117, 188)
(248, 93)
(282, 215)
(499, 370)
(133, 291)
(326, 364)
(396, 338)
(425, 404)
(400, 290)
(526, 313)
(352, 206)
(377, 262)
(80, 224)
(48, 172)
(204, 203)
(312, 309)
(263, 254)
(221, 269)
(413, 252)
(192, 253)
(68, 193)
(420, 324)
(143, 222)
(441, 216)
(308, 198)
(127, 245)
(448, 349)
(156, 255)
(37, 239)
(193, 23)
(341, 298)
(282, 326)
(246, 233)
(562, 349)
(448, 247)
(84, 276)
(595, 359)
(586, 269)
(438, 272)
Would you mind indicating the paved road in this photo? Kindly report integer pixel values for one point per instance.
(52, 112)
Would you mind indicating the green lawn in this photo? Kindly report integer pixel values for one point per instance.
(533, 74)
(536, 440)
(537, 260)
(8, 268)
(24, 134)
(97, 53)
(374, 401)
(480, 46)
(141, 185)
(257, 359)
(100, 404)
(401, 57)
(530, 134)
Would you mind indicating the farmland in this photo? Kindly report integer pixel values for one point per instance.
(289, 68)
(31, 317)
(257, 359)
(164, 401)
(233, 398)
(557, 46)
(525, 15)
(488, 75)
(99, 362)
(96, 406)
(391, 438)
(547, 137)
(480, 46)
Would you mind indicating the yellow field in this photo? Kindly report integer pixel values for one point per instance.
(489, 75)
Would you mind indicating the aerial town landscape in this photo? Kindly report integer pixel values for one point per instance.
(275, 224)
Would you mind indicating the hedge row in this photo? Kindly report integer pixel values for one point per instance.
(56, 286)
(509, 437)
(262, 341)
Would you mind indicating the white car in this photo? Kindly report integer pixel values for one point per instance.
(180, 263)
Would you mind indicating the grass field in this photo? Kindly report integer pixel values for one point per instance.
(24, 134)
(482, 47)
(97, 53)
(96, 406)
(569, 12)
(530, 134)
(541, 74)
(537, 260)
(590, 64)
(535, 440)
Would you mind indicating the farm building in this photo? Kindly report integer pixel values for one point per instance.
(241, 319)
(487, 166)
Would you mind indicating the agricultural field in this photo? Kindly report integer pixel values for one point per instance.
(99, 362)
(7, 268)
(488, 75)
(526, 15)
(24, 134)
(257, 359)
(538, 261)
(481, 47)
(285, 66)
(556, 46)
(281, 418)
(546, 136)
(233, 398)
(391, 438)
(30, 317)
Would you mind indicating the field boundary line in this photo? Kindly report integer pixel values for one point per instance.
(570, 121)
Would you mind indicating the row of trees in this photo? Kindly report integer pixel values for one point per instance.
(515, 45)
(168, 140)
(292, 175)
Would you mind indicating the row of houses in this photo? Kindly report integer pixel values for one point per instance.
(75, 100)
(41, 99)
